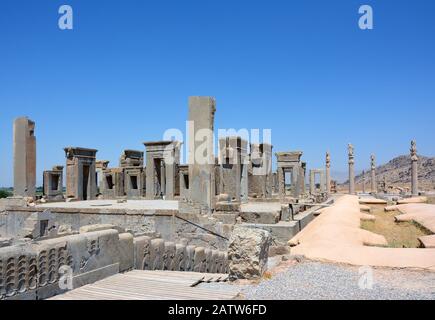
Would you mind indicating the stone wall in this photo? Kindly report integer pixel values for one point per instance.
(34, 270)
(158, 254)
(170, 225)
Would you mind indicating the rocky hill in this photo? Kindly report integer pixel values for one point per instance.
(397, 173)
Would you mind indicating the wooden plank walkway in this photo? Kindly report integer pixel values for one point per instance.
(152, 285)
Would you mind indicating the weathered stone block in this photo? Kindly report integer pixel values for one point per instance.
(100, 227)
(227, 207)
(142, 253)
(271, 217)
(248, 253)
(157, 248)
(169, 256)
(126, 252)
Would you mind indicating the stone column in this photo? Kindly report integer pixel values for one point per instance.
(150, 173)
(100, 166)
(328, 173)
(363, 182)
(414, 169)
(322, 181)
(303, 170)
(351, 169)
(373, 174)
(24, 158)
(384, 185)
(201, 141)
(312, 182)
(163, 177)
(281, 183)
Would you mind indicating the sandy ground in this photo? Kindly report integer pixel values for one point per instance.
(336, 236)
(398, 235)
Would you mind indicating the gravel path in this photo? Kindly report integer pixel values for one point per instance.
(314, 280)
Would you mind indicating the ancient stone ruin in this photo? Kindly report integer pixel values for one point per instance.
(217, 213)
(24, 157)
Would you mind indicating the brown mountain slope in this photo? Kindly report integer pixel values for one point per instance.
(398, 173)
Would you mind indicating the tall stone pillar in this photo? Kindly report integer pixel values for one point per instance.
(363, 182)
(100, 166)
(24, 157)
(312, 182)
(233, 168)
(201, 155)
(351, 169)
(303, 171)
(328, 173)
(414, 169)
(163, 177)
(374, 186)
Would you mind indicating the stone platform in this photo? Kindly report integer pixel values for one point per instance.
(152, 285)
(113, 204)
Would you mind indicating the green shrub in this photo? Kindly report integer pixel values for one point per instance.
(5, 194)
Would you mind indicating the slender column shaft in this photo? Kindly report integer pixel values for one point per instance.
(351, 170)
(414, 169)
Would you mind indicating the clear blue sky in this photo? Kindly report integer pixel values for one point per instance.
(301, 68)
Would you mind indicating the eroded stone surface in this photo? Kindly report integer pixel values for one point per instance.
(248, 253)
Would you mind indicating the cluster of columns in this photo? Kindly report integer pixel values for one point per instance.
(373, 182)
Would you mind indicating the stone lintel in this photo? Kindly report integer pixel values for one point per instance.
(80, 152)
(292, 156)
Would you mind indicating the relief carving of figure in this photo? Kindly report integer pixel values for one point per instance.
(190, 253)
(146, 256)
(168, 256)
(157, 252)
(179, 261)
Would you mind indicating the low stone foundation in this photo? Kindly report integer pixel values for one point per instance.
(35, 270)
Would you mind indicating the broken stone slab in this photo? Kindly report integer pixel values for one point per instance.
(372, 201)
(100, 227)
(286, 212)
(413, 200)
(281, 232)
(248, 253)
(227, 207)
(304, 218)
(226, 218)
(364, 208)
(271, 217)
(367, 217)
(390, 208)
(427, 241)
